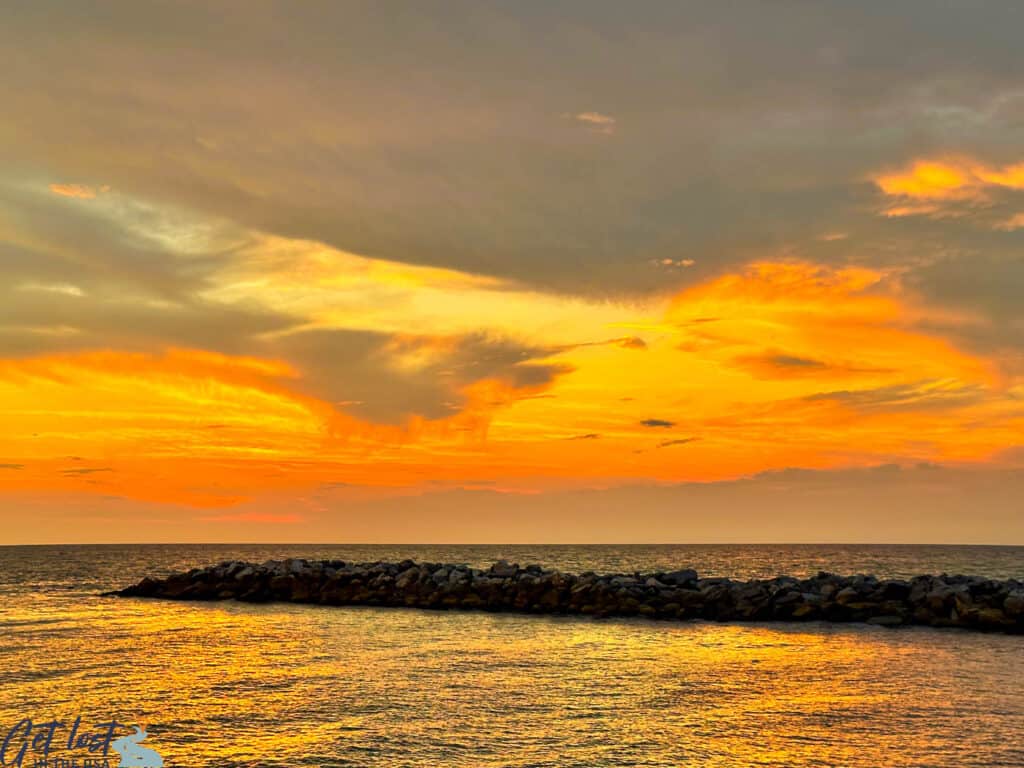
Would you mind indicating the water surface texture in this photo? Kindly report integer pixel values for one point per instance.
(230, 684)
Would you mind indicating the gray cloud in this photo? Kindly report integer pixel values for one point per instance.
(722, 149)
(680, 441)
(116, 287)
(657, 423)
(793, 361)
(921, 396)
(362, 369)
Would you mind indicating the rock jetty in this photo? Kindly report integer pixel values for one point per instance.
(969, 602)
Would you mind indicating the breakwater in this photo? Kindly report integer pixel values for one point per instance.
(969, 602)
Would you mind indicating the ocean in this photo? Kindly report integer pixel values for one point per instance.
(229, 684)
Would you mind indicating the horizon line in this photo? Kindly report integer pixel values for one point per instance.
(509, 544)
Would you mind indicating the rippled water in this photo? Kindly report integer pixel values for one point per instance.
(230, 684)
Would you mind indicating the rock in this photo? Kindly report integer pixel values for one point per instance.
(804, 611)
(846, 595)
(829, 589)
(938, 597)
(689, 598)
(993, 618)
(504, 570)
(680, 578)
(1013, 605)
(892, 590)
(957, 601)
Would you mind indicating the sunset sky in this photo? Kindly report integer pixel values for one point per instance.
(525, 272)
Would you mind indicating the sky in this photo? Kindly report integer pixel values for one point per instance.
(511, 272)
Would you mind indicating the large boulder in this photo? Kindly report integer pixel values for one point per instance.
(504, 570)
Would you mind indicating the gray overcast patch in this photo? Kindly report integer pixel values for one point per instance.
(470, 165)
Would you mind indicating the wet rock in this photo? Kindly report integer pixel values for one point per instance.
(892, 590)
(846, 595)
(681, 578)
(1013, 604)
(502, 569)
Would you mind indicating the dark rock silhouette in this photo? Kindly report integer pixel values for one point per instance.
(969, 602)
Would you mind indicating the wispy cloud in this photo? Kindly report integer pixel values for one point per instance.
(775, 364)
(78, 191)
(631, 342)
(924, 395)
(674, 263)
(782, 360)
(67, 289)
(1013, 222)
(85, 471)
(596, 121)
(680, 441)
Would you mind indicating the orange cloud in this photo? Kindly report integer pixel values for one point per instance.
(1009, 176)
(207, 429)
(779, 364)
(797, 319)
(597, 122)
(931, 180)
(79, 191)
(947, 187)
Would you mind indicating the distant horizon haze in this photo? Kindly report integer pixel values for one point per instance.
(879, 505)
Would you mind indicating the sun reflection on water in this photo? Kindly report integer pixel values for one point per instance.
(230, 684)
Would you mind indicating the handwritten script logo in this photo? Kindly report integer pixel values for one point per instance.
(85, 748)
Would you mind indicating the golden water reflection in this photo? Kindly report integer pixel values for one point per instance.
(229, 684)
